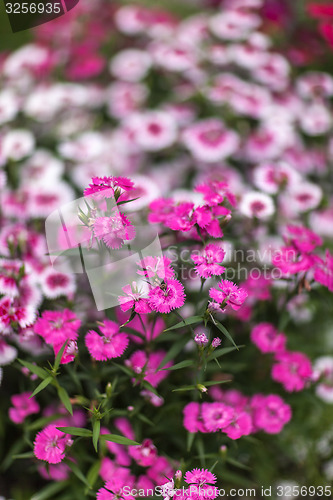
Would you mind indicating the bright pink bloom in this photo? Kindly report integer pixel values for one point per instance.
(266, 337)
(201, 339)
(216, 416)
(156, 266)
(324, 272)
(166, 297)
(12, 312)
(192, 418)
(290, 261)
(113, 489)
(208, 262)
(104, 187)
(50, 445)
(292, 369)
(160, 210)
(182, 217)
(145, 454)
(228, 294)
(241, 425)
(302, 238)
(270, 413)
(55, 327)
(146, 366)
(69, 353)
(134, 299)
(214, 192)
(200, 477)
(114, 230)
(23, 406)
(110, 345)
(160, 470)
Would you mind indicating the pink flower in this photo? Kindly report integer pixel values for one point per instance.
(69, 353)
(267, 338)
(201, 339)
(210, 141)
(160, 210)
(50, 445)
(7, 353)
(154, 130)
(147, 366)
(113, 489)
(55, 283)
(9, 271)
(292, 369)
(192, 418)
(55, 327)
(228, 294)
(23, 405)
(324, 272)
(256, 204)
(166, 297)
(182, 217)
(216, 416)
(12, 312)
(113, 230)
(303, 239)
(241, 425)
(156, 266)
(134, 299)
(200, 477)
(110, 345)
(208, 262)
(104, 187)
(144, 454)
(290, 261)
(270, 413)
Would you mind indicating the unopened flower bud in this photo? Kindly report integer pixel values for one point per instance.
(201, 339)
(216, 342)
(108, 390)
(202, 388)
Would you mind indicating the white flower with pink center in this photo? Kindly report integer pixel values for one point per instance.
(210, 141)
(323, 373)
(55, 283)
(131, 65)
(9, 106)
(178, 57)
(314, 84)
(17, 144)
(154, 130)
(273, 177)
(256, 204)
(316, 119)
(234, 25)
(304, 197)
(124, 98)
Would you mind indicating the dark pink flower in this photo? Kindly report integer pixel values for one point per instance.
(266, 337)
(23, 405)
(114, 230)
(292, 369)
(50, 445)
(324, 272)
(209, 260)
(166, 297)
(144, 454)
(146, 366)
(270, 413)
(228, 294)
(134, 299)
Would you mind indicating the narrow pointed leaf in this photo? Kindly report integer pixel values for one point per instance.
(59, 356)
(36, 370)
(62, 393)
(222, 352)
(115, 438)
(50, 490)
(75, 469)
(44, 383)
(189, 321)
(225, 333)
(182, 364)
(96, 431)
(76, 431)
(174, 351)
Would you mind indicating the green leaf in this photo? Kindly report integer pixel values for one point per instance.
(28, 454)
(42, 422)
(96, 431)
(174, 351)
(42, 385)
(186, 322)
(145, 419)
(76, 431)
(92, 474)
(75, 469)
(62, 393)
(149, 387)
(201, 450)
(59, 356)
(222, 352)
(50, 490)
(37, 370)
(185, 388)
(235, 463)
(190, 439)
(208, 384)
(116, 438)
(182, 364)
(225, 333)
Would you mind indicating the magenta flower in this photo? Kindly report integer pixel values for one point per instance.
(23, 405)
(144, 454)
(270, 413)
(113, 489)
(50, 445)
(216, 416)
(324, 272)
(166, 297)
(200, 477)
(110, 345)
(134, 299)
(228, 294)
(292, 369)
(192, 418)
(201, 339)
(104, 187)
(241, 425)
(113, 230)
(55, 327)
(11, 311)
(209, 260)
(303, 238)
(267, 338)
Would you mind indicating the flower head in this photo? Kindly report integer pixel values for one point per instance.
(111, 344)
(166, 297)
(50, 445)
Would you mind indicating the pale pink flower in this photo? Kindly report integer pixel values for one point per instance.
(273, 71)
(201, 339)
(23, 405)
(130, 65)
(124, 98)
(154, 130)
(273, 177)
(323, 372)
(234, 24)
(166, 297)
(50, 445)
(256, 204)
(114, 230)
(304, 197)
(313, 84)
(209, 140)
(156, 266)
(135, 299)
(316, 119)
(111, 344)
(17, 144)
(7, 353)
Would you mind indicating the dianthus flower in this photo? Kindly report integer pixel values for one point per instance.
(104, 187)
(113, 490)
(228, 294)
(292, 369)
(11, 311)
(110, 345)
(216, 416)
(209, 260)
(270, 413)
(146, 365)
(55, 327)
(144, 454)
(156, 266)
(23, 405)
(167, 296)
(200, 477)
(50, 445)
(134, 299)
(192, 418)
(113, 230)
(302, 238)
(324, 272)
(266, 337)
(241, 425)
